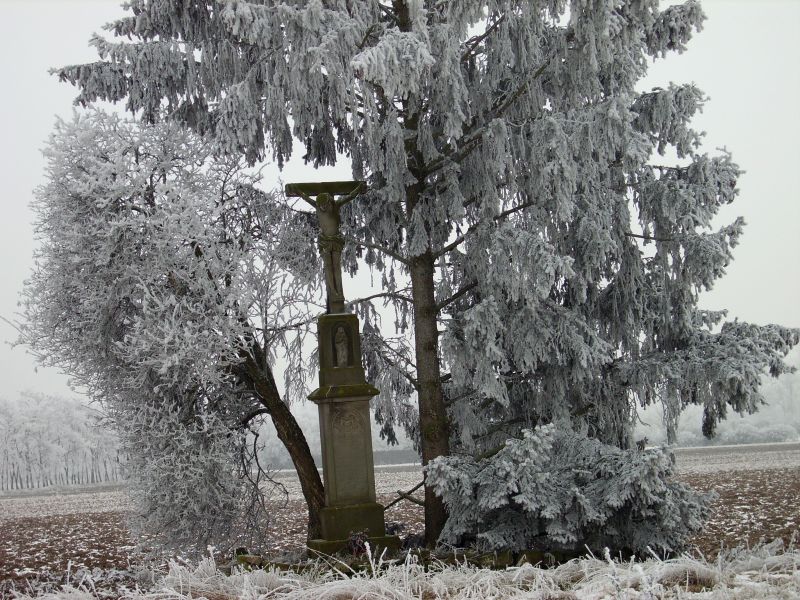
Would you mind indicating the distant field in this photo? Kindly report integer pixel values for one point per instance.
(41, 535)
(748, 457)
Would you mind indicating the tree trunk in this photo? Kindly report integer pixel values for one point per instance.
(433, 421)
(290, 433)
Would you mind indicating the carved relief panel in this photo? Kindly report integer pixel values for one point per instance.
(352, 454)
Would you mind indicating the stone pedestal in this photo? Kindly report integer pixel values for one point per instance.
(347, 464)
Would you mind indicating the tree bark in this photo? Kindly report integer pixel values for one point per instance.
(290, 433)
(433, 421)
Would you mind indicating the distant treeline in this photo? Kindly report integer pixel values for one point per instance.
(52, 441)
(48, 441)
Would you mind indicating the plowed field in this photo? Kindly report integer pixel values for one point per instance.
(46, 538)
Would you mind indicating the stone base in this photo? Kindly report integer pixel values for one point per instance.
(338, 522)
(391, 543)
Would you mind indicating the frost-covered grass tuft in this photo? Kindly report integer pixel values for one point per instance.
(760, 573)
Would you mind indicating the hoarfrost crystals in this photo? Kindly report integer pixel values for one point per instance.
(508, 145)
(398, 63)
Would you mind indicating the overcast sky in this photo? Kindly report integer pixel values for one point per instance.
(746, 60)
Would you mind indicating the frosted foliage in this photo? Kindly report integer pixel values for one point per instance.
(555, 488)
(162, 288)
(768, 571)
(157, 257)
(186, 490)
(507, 146)
(396, 63)
(508, 141)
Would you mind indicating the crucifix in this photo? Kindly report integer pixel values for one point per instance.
(331, 241)
(343, 395)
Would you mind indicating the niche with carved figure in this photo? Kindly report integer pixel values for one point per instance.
(339, 351)
(342, 347)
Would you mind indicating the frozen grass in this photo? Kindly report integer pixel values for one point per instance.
(763, 573)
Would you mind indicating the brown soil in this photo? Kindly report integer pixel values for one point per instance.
(753, 506)
(43, 552)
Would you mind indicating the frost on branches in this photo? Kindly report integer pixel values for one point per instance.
(542, 254)
(555, 488)
(161, 287)
(191, 482)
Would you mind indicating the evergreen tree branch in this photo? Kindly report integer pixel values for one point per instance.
(395, 255)
(454, 399)
(390, 13)
(497, 427)
(412, 380)
(405, 496)
(473, 136)
(649, 237)
(476, 41)
(514, 209)
(393, 295)
(460, 239)
(410, 498)
(367, 34)
(463, 290)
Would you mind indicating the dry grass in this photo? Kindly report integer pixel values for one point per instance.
(764, 574)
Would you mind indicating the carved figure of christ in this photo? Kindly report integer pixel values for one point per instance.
(330, 247)
(331, 241)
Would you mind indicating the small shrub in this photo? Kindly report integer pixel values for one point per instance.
(557, 489)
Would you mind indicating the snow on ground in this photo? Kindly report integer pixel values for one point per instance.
(63, 503)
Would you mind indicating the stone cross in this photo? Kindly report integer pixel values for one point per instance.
(330, 241)
(343, 395)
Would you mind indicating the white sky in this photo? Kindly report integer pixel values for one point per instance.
(746, 60)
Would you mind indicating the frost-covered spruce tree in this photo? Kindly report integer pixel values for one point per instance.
(162, 289)
(528, 230)
(556, 489)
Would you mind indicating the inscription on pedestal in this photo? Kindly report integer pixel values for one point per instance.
(350, 449)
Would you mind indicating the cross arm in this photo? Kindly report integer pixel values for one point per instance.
(334, 188)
